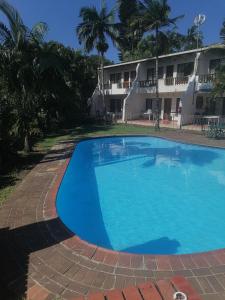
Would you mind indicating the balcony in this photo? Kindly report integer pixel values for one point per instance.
(107, 86)
(206, 78)
(147, 83)
(176, 80)
(124, 85)
(205, 82)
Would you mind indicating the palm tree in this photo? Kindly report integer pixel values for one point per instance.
(130, 29)
(19, 51)
(156, 16)
(222, 32)
(93, 32)
(193, 39)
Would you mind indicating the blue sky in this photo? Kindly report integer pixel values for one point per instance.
(62, 17)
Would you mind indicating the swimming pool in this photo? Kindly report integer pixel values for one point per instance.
(145, 195)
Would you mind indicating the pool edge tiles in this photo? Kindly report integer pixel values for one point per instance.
(164, 240)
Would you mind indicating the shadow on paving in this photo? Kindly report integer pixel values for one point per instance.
(19, 162)
(17, 245)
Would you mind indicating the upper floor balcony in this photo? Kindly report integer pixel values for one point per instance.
(119, 88)
(204, 82)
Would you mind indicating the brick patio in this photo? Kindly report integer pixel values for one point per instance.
(39, 257)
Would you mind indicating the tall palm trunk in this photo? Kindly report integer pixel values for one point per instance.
(157, 125)
(102, 85)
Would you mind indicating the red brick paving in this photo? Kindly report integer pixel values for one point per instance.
(39, 257)
(161, 290)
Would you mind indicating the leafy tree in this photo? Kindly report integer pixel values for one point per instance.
(155, 18)
(19, 49)
(222, 32)
(168, 42)
(219, 82)
(7, 119)
(130, 27)
(93, 32)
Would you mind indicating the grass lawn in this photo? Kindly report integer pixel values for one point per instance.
(17, 168)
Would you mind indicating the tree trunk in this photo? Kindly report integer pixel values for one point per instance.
(102, 85)
(27, 146)
(157, 124)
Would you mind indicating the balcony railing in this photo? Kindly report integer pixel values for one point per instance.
(127, 84)
(176, 80)
(181, 80)
(147, 83)
(124, 85)
(107, 86)
(169, 81)
(206, 78)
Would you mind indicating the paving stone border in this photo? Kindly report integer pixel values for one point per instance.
(41, 258)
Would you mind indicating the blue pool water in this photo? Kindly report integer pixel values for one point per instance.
(145, 195)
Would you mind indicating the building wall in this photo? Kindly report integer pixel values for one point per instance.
(135, 96)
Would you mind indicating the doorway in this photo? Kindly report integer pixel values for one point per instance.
(115, 105)
(223, 106)
(167, 108)
(169, 71)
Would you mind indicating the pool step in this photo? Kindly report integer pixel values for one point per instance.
(160, 290)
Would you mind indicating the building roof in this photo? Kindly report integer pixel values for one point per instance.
(213, 46)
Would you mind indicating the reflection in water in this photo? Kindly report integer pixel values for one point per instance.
(122, 150)
(219, 175)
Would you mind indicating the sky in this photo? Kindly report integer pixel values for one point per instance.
(62, 17)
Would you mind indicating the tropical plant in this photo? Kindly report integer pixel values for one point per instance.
(130, 28)
(20, 47)
(168, 42)
(219, 81)
(193, 39)
(93, 32)
(155, 16)
(222, 32)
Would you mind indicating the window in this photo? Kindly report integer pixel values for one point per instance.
(151, 73)
(161, 70)
(126, 76)
(184, 70)
(169, 71)
(132, 75)
(115, 105)
(213, 65)
(148, 104)
(199, 102)
(177, 105)
(118, 77)
(210, 106)
(155, 105)
(115, 78)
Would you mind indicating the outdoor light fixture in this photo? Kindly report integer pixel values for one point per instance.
(179, 296)
(198, 21)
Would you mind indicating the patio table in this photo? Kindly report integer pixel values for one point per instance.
(216, 119)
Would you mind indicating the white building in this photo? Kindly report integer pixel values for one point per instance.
(185, 85)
